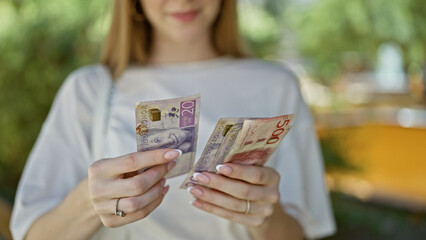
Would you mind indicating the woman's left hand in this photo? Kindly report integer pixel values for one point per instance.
(228, 193)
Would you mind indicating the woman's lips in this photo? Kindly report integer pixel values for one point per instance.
(185, 16)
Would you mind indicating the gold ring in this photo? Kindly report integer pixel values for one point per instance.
(248, 207)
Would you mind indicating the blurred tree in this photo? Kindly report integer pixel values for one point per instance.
(329, 30)
(261, 25)
(41, 41)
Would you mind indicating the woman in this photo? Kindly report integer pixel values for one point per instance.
(159, 49)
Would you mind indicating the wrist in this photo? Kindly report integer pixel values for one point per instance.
(260, 232)
(279, 225)
(74, 218)
(85, 217)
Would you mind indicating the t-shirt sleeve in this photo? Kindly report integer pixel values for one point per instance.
(60, 157)
(299, 161)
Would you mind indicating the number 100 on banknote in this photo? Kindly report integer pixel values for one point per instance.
(171, 123)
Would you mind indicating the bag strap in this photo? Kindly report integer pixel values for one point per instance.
(101, 112)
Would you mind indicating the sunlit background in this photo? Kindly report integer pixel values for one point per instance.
(362, 69)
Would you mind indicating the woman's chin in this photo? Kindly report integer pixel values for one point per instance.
(187, 35)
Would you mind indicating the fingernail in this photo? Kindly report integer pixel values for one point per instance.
(224, 169)
(195, 191)
(163, 181)
(202, 178)
(195, 203)
(173, 154)
(171, 165)
(165, 189)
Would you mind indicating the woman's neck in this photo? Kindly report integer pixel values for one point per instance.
(165, 50)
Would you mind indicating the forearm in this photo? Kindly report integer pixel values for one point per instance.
(279, 225)
(74, 218)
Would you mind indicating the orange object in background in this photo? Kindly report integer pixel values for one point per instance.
(390, 163)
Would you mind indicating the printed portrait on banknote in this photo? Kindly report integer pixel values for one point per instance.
(176, 138)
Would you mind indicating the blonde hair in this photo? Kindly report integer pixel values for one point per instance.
(129, 39)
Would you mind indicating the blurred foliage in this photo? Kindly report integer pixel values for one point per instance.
(332, 32)
(362, 220)
(261, 25)
(41, 41)
(333, 157)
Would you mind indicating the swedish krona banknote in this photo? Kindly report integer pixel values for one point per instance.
(171, 123)
(246, 141)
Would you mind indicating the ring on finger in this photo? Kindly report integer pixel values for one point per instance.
(248, 207)
(119, 212)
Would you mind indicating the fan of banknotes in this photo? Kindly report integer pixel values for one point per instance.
(173, 123)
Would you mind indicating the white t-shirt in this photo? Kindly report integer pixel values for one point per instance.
(228, 88)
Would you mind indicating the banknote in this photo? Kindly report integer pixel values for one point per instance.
(258, 139)
(213, 145)
(207, 158)
(249, 141)
(226, 145)
(171, 123)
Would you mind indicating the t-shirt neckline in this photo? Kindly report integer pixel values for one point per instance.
(195, 65)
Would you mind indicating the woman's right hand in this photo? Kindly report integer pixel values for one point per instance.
(139, 194)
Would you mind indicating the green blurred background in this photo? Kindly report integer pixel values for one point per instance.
(332, 45)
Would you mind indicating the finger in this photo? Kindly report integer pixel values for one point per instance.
(128, 187)
(248, 220)
(132, 162)
(138, 184)
(252, 174)
(228, 202)
(132, 204)
(113, 221)
(236, 188)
